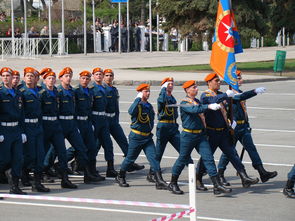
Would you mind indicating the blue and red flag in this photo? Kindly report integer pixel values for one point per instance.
(226, 44)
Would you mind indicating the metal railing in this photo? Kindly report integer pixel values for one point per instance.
(31, 47)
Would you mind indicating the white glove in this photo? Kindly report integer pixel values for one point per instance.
(139, 95)
(1, 138)
(165, 85)
(230, 93)
(78, 130)
(260, 90)
(214, 106)
(24, 138)
(93, 127)
(234, 124)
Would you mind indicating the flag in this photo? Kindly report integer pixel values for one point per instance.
(226, 44)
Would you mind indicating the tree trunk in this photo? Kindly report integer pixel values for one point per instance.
(142, 15)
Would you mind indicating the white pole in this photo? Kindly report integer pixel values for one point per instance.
(284, 37)
(39, 10)
(150, 12)
(62, 18)
(158, 17)
(119, 49)
(50, 28)
(93, 24)
(128, 34)
(12, 28)
(192, 190)
(26, 29)
(85, 33)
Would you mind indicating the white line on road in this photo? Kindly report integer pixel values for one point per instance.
(105, 209)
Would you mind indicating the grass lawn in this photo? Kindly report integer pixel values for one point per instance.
(260, 66)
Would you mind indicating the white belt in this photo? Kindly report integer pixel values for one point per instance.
(82, 117)
(9, 124)
(31, 120)
(71, 117)
(99, 113)
(110, 114)
(49, 118)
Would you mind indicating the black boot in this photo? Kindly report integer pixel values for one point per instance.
(93, 171)
(151, 176)
(3, 178)
(218, 187)
(265, 175)
(288, 190)
(121, 179)
(50, 172)
(37, 186)
(134, 167)
(160, 183)
(76, 168)
(111, 172)
(222, 178)
(199, 183)
(173, 185)
(90, 178)
(65, 182)
(246, 180)
(25, 178)
(13, 183)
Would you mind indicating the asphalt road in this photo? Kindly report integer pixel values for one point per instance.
(272, 119)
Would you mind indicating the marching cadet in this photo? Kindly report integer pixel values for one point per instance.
(71, 132)
(193, 136)
(167, 127)
(15, 80)
(288, 190)
(217, 127)
(11, 134)
(115, 129)
(34, 147)
(99, 119)
(242, 133)
(53, 133)
(140, 138)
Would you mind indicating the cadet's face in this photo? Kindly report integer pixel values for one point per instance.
(108, 78)
(6, 78)
(29, 78)
(50, 81)
(192, 91)
(170, 87)
(15, 80)
(214, 84)
(37, 79)
(84, 81)
(145, 94)
(98, 76)
(66, 79)
(240, 80)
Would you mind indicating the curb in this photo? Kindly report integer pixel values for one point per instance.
(201, 83)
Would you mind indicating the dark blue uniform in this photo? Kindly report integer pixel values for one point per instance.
(53, 133)
(11, 149)
(69, 124)
(34, 147)
(112, 113)
(140, 137)
(291, 174)
(217, 130)
(242, 130)
(99, 120)
(193, 136)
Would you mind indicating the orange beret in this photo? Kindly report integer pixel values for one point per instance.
(9, 70)
(108, 71)
(66, 70)
(238, 72)
(189, 84)
(167, 79)
(15, 72)
(85, 73)
(142, 87)
(210, 76)
(30, 70)
(45, 70)
(97, 70)
(49, 74)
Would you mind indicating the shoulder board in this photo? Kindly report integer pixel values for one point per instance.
(59, 90)
(187, 100)
(21, 89)
(91, 86)
(42, 91)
